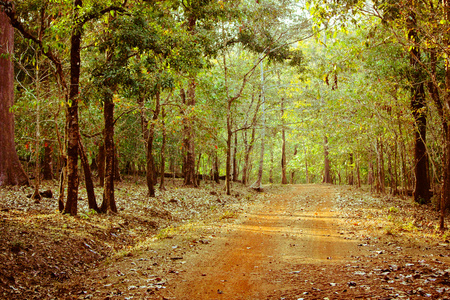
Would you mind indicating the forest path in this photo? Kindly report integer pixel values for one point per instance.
(307, 242)
(245, 260)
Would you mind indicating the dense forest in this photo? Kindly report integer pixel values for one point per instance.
(342, 92)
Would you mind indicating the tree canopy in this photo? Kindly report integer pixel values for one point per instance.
(343, 92)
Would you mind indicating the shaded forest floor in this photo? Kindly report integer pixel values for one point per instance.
(290, 242)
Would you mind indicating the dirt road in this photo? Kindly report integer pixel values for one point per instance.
(296, 245)
(246, 261)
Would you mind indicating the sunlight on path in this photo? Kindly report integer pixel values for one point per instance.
(290, 229)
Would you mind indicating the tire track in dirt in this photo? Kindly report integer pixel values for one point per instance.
(245, 262)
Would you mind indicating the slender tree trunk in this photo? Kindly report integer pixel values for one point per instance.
(405, 182)
(150, 165)
(350, 174)
(48, 165)
(37, 181)
(358, 173)
(370, 176)
(235, 164)
(395, 185)
(327, 169)
(11, 171)
(151, 170)
(198, 176)
(216, 168)
(283, 150)
(88, 178)
(390, 171)
(306, 166)
(109, 203)
(380, 167)
(283, 141)
(419, 108)
(293, 172)
(271, 163)
(228, 161)
(257, 185)
(72, 116)
(101, 164)
(163, 149)
(189, 144)
(248, 146)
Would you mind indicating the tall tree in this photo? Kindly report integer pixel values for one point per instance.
(11, 171)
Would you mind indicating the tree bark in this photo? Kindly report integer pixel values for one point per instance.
(306, 165)
(283, 147)
(350, 174)
(271, 163)
(37, 181)
(47, 165)
(235, 164)
(72, 116)
(380, 167)
(419, 108)
(109, 203)
(11, 171)
(216, 168)
(257, 185)
(163, 149)
(151, 170)
(189, 167)
(283, 140)
(228, 161)
(92, 202)
(327, 169)
(444, 115)
(101, 158)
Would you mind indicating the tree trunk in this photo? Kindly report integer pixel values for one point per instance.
(216, 168)
(380, 167)
(293, 172)
(283, 146)
(109, 203)
(271, 163)
(306, 165)
(150, 165)
(350, 174)
(444, 115)
(235, 164)
(248, 146)
(358, 173)
(11, 171)
(101, 164)
(88, 178)
(151, 170)
(327, 170)
(257, 184)
(228, 161)
(419, 108)
(72, 116)
(391, 172)
(189, 163)
(48, 165)
(283, 157)
(37, 181)
(163, 149)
